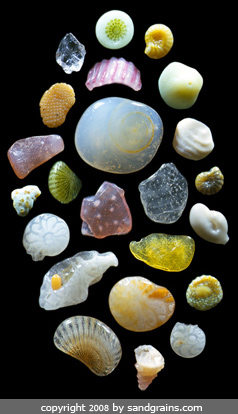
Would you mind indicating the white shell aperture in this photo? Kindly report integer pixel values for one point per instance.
(118, 135)
(211, 225)
(76, 274)
(45, 235)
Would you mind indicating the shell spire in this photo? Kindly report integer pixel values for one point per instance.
(114, 70)
(149, 362)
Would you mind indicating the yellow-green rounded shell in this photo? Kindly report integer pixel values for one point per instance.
(210, 182)
(204, 293)
(64, 184)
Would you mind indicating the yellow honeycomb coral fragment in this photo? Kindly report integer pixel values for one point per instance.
(56, 103)
(164, 251)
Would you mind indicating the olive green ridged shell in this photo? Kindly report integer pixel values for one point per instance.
(64, 185)
(210, 182)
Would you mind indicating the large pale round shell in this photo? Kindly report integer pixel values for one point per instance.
(187, 341)
(64, 184)
(204, 292)
(210, 182)
(139, 305)
(90, 341)
(45, 235)
(118, 135)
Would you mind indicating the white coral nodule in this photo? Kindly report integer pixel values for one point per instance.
(23, 199)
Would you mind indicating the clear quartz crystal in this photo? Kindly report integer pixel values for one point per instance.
(70, 54)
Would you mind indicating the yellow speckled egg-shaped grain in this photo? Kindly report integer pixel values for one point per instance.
(56, 103)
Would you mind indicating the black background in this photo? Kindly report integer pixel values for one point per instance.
(35, 367)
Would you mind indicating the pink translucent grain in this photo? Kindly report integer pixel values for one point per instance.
(28, 153)
(114, 70)
(106, 213)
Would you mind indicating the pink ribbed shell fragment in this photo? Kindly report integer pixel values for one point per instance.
(114, 70)
(28, 153)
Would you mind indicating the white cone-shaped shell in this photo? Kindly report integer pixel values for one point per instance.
(149, 362)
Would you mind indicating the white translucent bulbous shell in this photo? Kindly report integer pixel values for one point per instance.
(187, 341)
(45, 235)
(118, 135)
(114, 29)
(77, 273)
(211, 225)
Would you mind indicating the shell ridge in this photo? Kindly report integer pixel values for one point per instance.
(96, 345)
(114, 70)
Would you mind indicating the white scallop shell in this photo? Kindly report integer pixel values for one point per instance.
(211, 225)
(77, 273)
(45, 235)
(193, 139)
(114, 70)
(187, 341)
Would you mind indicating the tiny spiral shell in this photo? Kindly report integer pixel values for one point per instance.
(210, 182)
(159, 40)
(64, 185)
(90, 341)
